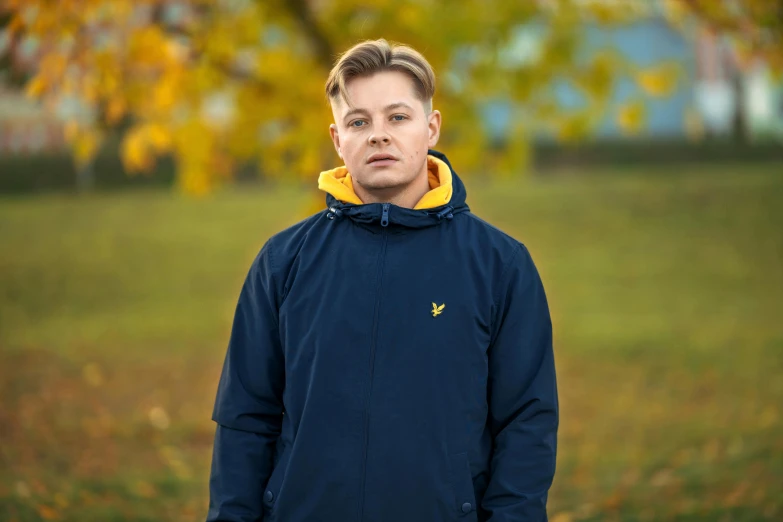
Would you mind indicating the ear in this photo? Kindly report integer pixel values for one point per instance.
(335, 138)
(434, 120)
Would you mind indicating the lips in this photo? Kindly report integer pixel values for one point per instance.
(381, 159)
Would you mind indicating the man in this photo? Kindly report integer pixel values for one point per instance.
(391, 356)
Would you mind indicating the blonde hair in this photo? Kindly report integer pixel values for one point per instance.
(373, 56)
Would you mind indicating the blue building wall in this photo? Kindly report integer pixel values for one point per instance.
(646, 43)
(643, 43)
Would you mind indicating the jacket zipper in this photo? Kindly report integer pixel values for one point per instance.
(379, 286)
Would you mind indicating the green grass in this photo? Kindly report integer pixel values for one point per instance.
(666, 289)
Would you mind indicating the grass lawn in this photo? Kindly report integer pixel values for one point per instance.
(666, 289)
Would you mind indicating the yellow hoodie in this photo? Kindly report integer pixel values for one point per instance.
(339, 184)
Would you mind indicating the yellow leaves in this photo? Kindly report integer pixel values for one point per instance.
(135, 153)
(107, 84)
(410, 15)
(753, 24)
(85, 147)
(16, 23)
(35, 87)
(206, 83)
(166, 91)
(195, 149)
(611, 12)
(84, 141)
(310, 160)
(116, 108)
(660, 80)
(142, 144)
(148, 47)
(50, 71)
(675, 12)
(631, 117)
(574, 127)
(158, 137)
(221, 45)
(176, 52)
(278, 62)
(597, 79)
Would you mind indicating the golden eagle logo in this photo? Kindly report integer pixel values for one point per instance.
(437, 310)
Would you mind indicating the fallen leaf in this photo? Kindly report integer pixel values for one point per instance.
(159, 418)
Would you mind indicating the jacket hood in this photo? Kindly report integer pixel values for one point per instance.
(445, 198)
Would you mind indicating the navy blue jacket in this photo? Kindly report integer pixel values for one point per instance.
(387, 365)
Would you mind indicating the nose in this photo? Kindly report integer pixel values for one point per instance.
(379, 135)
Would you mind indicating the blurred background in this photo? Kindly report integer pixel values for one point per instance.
(148, 148)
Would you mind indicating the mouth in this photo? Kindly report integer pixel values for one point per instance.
(381, 160)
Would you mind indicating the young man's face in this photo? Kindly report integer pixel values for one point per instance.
(383, 136)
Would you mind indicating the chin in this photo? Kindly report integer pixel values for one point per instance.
(385, 184)
(383, 180)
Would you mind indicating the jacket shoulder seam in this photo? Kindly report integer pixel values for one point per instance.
(305, 224)
(492, 227)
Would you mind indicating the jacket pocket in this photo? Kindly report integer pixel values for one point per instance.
(272, 490)
(462, 484)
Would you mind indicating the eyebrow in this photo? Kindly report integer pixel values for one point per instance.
(390, 107)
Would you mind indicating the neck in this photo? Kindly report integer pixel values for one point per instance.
(405, 196)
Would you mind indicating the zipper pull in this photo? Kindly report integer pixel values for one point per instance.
(385, 215)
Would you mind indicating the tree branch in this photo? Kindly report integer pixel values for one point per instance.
(300, 11)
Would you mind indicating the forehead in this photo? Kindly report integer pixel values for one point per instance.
(377, 91)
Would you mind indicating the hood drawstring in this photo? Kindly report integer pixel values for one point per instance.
(334, 213)
(447, 213)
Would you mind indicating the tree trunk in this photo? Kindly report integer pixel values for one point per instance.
(85, 178)
(300, 11)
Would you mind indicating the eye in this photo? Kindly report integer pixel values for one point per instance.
(399, 117)
(357, 123)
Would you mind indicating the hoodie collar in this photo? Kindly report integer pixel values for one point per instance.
(445, 198)
(339, 184)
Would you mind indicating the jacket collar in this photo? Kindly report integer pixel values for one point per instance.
(445, 198)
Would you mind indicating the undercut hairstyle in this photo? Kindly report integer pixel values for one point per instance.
(374, 56)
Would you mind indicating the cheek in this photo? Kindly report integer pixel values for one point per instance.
(423, 142)
(352, 155)
(348, 148)
(417, 139)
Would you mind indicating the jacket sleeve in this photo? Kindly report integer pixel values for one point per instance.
(249, 405)
(523, 404)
